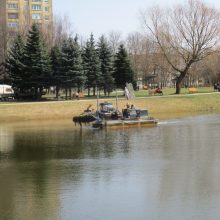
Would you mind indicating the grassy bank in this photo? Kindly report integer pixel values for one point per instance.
(67, 109)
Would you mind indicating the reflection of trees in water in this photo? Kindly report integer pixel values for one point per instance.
(7, 180)
(45, 161)
(6, 141)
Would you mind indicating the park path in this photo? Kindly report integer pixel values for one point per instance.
(107, 99)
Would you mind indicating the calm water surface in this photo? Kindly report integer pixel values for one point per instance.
(54, 171)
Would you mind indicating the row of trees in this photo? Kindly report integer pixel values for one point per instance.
(179, 47)
(31, 67)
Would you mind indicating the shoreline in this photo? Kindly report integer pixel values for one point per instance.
(163, 105)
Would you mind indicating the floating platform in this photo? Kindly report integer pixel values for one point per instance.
(124, 123)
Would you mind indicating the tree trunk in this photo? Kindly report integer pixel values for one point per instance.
(66, 90)
(94, 91)
(89, 91)
(70, 91)
(179, 81)
(178, 86)
(57, 91)
(35, 93)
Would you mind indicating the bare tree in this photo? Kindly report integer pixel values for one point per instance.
(115, 40)
(147, 61)
(134, 46)
(62, 29)
(185, 34)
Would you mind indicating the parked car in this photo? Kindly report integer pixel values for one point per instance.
(6, 92)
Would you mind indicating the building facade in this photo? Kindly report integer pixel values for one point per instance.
(19, 15)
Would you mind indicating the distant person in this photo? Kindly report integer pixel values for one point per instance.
(132, 107)
(127, 93)
(218, 87)
(77, 95)
(89, 108)
(158, 90)
(215, 87)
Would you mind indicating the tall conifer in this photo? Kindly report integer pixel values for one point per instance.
(71, 62)
(55, 56)
(79, 76)
(37, 61)
(15, 64)
(123, 72)
(91, 65)
(105, 56)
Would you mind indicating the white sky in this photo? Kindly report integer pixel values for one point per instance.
(103, 16)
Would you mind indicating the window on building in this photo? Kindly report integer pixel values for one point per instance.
(36, 16)
(36, 7)
(12, 15)
(12, 5)
(12, 24)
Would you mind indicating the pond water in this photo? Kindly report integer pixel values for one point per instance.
(54, 171)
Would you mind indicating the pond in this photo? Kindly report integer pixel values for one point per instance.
(54, 171)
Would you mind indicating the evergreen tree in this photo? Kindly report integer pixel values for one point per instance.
(66, 65)
(71, 62)
(65, 62)
(91, 65)
(122, 68)
(55, 57)
(79, 77)
(105, 56)
(15, 65)
(37, 61)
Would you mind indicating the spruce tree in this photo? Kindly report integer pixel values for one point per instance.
(68, 53)
(123, 72)
(91, 65)
(55, 56)
(77, 69)
(66, 64)
(71, 62)
(37, 61)
(105, 56)
(15, 65)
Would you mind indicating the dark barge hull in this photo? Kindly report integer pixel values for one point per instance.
(124, 123)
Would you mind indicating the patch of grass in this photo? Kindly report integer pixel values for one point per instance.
(164, 105)
(171, 91)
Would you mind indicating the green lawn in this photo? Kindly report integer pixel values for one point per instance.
(171, 91)
(166, 91)
(140, 93)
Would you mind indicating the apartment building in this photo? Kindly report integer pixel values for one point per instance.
(16, 16)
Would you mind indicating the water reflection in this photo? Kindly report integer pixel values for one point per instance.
(51, 170)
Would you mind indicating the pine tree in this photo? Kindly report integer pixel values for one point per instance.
(79, 77)
(66, 65)
(71, 62)
(37, 61)
(15, 65)
(105, 57)
(55, 56)
(91, 65)
(123, 72)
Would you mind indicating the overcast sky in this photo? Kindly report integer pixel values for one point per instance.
(103, 16)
